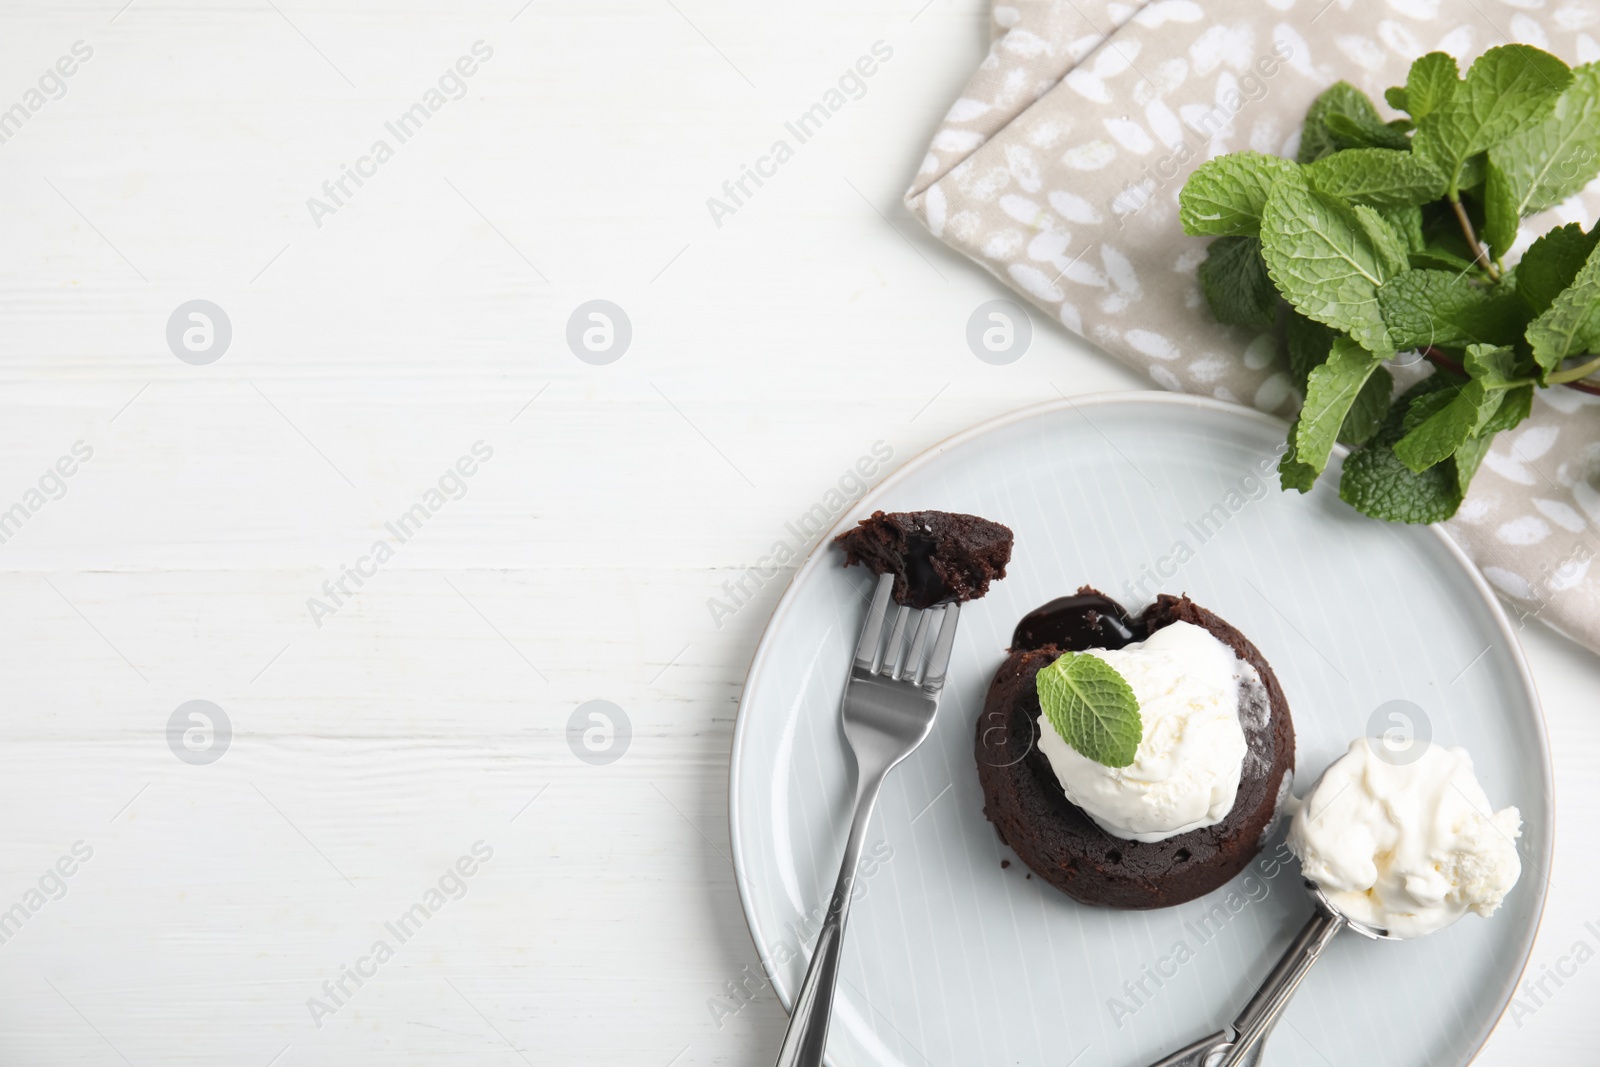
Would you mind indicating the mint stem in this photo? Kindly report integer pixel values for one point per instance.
(1472, 238)
(1570, 379)
(1439, 359)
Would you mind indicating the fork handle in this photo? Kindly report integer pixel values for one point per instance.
(807, 1036)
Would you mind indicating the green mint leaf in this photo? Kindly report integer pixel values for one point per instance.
(1507, 89)
(1407, 222)
(1547, 162)
(1435, 307)
(1321, 254)
(1292, 474)
(1331, 391)
(1440, 259)
(1552, 262)
(1386, 240)
(1491, 364)
(1500, 212)
(1463, 415)
(1430, 84)
(1424, 407)
(1516, 406)
(1377, 484)
(1394, 424)
(1571, 325)
(1382, 177)
(1341, 98)
(1348, 131)
(1468, 457)
(1092, 707)
(1309, 344)
(1395, 96)
(1474, 171)
(1443, 432)
(1224, 196)
(1234, 279)
(1366, 414)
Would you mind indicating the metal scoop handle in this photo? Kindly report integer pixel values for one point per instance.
(1261, 1014)
(1242, 1042)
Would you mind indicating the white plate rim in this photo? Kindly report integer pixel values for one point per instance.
(1136, 397)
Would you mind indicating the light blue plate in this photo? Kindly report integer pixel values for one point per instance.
(952, 960)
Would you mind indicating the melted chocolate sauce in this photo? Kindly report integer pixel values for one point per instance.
(923, 582)
(1083, 620)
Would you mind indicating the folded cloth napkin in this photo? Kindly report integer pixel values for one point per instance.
(1058, 170)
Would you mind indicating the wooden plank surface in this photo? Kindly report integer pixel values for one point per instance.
(374, 746)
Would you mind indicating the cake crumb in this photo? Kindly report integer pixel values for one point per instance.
(1004, 864)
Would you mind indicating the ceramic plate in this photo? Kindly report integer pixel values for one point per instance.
(952, 958)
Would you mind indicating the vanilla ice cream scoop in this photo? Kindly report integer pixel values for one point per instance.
(1406, 846)
(1390, 849)
(1186, 772)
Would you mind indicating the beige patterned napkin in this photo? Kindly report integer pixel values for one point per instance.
(1059, 169)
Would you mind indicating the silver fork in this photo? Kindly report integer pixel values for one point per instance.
(888, 710)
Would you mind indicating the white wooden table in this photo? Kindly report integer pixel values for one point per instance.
(380, 737)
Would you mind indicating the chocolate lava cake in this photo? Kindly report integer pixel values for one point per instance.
(935, 556)
(1024, 799)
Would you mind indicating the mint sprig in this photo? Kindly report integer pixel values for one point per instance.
(1386, 235)
(1092, 707)
(1507, 90)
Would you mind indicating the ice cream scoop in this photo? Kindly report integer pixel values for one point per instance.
(1411, 842)
(1406, 839)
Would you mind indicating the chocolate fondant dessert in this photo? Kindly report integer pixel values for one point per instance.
(1028, 807)
(935, 556)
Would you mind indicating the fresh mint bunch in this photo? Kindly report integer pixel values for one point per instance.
(1388, 236)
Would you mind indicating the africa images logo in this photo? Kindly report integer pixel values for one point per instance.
(803, 531)
(452, 485)
(338, 191)
(851, 85)
(450, 886)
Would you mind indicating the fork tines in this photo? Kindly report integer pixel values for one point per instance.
(924, 658)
